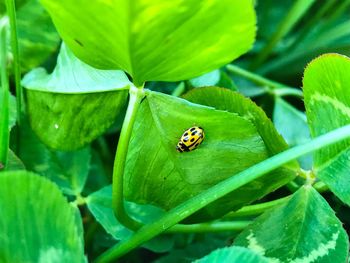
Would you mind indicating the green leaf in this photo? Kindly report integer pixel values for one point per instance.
(153, 39)
(226, 100)
(157, 174)
(74, 76)
(208, 79)
(305, 229)
(292, 124)
(37, 224)
(37, 36)
(327, 101)
(69, 170)
(100, 205)
(55, 102)
(233, 255)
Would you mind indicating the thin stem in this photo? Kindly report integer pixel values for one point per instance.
(180, 89)
(281, 92)
(210, 227)
(4, 97)
(298, 9)
(276, 88)
(255, 77)
(254, 210)
(136, 95)
(219, 190)
(11, 11)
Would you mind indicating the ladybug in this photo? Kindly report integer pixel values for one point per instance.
(190, 139)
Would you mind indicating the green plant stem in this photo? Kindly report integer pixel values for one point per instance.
(210, 227)
(136, 95)
(298, 9)
(254, 210)
(219, 190)
(179, 90)
(11, 11)
(276, 88)
(4, 97)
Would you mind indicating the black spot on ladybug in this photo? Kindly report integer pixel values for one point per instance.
(186, 134)
(192, 129)
(192, 140)
(194, 133)
(78, 42)
(185, 139)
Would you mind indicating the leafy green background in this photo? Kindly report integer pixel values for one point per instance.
(191, 57)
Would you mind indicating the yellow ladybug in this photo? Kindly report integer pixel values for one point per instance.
(190, 139)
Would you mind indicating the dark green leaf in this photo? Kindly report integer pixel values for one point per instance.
(37, 224)
(150, 39)
(305, 229)
(156, 173)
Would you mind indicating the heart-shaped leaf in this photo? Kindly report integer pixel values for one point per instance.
(153, 39)
(327, 100)
(55, 101)
(156, 173)
(305, 229)
(37, 224)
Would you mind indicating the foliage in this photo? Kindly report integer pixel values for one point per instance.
(89, 169)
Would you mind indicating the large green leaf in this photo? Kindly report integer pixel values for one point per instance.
(233, 255)
(156, 173)
(37, 224)
(100, 205)
(76, 103)
(327, 100)
(154, 39)
(305, 229)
